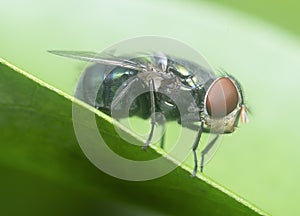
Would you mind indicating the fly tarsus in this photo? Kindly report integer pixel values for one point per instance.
(195, 146)
(152, 101)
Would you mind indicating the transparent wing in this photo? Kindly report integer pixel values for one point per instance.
(213, 143)
(101, 59)
(89, 85)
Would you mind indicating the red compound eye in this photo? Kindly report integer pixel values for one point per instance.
(222, 98)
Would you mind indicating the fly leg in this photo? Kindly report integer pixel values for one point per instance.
(118, 98)
(206, 150)
(152, 102)
(195, 145)
(162, 141)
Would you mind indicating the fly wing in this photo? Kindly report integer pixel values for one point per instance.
(90, 88)
(101, 59)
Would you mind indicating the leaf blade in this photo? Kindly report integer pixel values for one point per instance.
(37, 126)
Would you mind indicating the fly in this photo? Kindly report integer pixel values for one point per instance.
(218, 101)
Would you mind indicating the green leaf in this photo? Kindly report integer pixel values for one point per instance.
(45, 171)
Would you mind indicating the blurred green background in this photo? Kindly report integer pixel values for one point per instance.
(258, 42)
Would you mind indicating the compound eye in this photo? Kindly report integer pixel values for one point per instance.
(222, 98)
